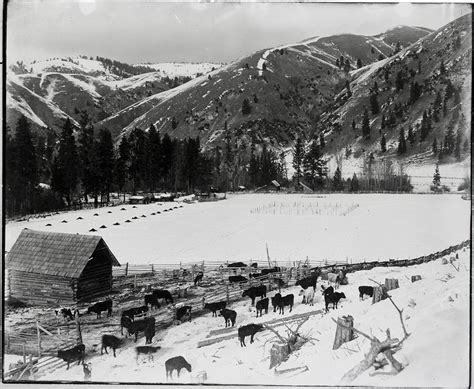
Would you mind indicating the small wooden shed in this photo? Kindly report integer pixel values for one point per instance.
(58, 268)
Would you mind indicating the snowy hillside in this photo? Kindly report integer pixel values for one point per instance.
(182, 69)
(436, 353)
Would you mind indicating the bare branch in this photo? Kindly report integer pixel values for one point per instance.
(276, 333)
(457, 269)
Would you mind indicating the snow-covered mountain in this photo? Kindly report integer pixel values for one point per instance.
(182, 69)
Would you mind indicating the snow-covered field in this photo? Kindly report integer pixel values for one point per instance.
(435, 312)
(380, 227)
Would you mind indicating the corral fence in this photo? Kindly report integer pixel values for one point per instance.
(178, 279)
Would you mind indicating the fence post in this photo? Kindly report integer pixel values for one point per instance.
(24, 353)
(135, 282)
(38, 334)
(126, 269)
(227, 294)
(152, 270)
(78, 331)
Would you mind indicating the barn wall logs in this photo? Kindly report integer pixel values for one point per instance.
(40, 289)
(95, 280)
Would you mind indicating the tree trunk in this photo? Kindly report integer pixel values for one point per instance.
(343, 334)
(380, 293)
(391, 283)
(278, 354)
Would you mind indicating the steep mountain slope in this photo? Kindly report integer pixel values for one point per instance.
(287, 87)
(440, 64)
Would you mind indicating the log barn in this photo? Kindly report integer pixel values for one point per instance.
(58, 268)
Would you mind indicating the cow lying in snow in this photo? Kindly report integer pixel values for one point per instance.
(72, 354)
(148, 350)
(249, 329)
(233, 279)
(255, 291)
(176, 363)
(102, 306)
(365, 290)
(214, 307)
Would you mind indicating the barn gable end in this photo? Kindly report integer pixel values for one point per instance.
(63, 268)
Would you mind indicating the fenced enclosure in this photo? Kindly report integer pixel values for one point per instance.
(38, 339)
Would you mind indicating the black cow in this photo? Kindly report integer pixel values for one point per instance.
(255, 291)
(275, 300)
(149, 331)
(132, 312)
(163, 294)
(152, 301)
(237, 264)
(254, 265)
(249, 329)
(176, 363)
(198, 278)
(272, 270)
(307, 282)
(237, 279)
(102, 306)
(368, 290)
(134, 327)
(110, 341)
(229, 316)
(77, 352)
(284, 301)
(261, 305)
(183, 311)
(327, 291)
(214, 307)
(149, 350)
(333, 299)
(256, 275)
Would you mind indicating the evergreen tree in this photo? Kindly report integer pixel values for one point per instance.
(354, 125)
(21, 169)
(321, 140)
(254, 170)
(449, 141)
(359, 63)
(382, 124)
(337, 63)
(337, 183)
(314, 166)
(298, 155)
(402, 146)
(354, 187)
(121, 164)
(374, 104)
(246, 109)
(398, 47)
(399, 81)
(65, 175)
(85, 150)
(450, 89)
(411, 136)
(457, 146)
(381, 57)
(154, 158)
(415, 92)
(174, 123)
(437, 178)
(138, 158)
(434, 147)
(347, 66)
(105, 155)
(365, 125)
(383, 144)
(167, 160)
(442, 68)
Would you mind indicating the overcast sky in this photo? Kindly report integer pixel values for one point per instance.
(139, 31)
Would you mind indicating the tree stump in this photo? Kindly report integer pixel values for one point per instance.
(415, 278)
(391, 283)
(343, 334)
(444, 261)
(380, 293)
(278, 354)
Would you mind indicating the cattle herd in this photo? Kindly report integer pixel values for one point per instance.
(134, 322)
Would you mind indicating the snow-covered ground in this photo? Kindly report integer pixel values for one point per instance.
(381, 227)
(435, 312)
(182, 69)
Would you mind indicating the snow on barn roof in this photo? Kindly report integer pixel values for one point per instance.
(54, 253)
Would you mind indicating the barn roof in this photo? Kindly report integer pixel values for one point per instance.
(54, 253)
